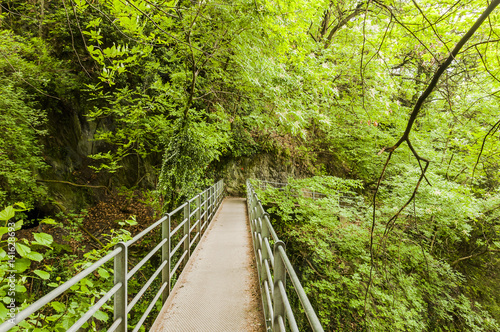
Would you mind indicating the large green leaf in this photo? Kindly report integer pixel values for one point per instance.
(20, 288)
(22, 249)
(35, 256)
(58, 306)
(3, 312)
(7, 213)
(21, 264)
(43, 239)
(42, 274)
(102, 316)
(103, 273)
(3, 230)
(19, 224)
(49, 221)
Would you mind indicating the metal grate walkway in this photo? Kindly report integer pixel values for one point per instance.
(218, 290)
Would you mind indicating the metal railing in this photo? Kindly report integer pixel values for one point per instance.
(344, 199)
(273, 266)
(195, 215)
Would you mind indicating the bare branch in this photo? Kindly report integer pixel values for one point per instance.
(495, 127)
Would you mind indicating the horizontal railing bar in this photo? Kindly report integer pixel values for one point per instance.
(193, 241)
(194, 226)
(146, 286)
(181, 241)
(145, 259)
(260, 260)
(178, 263)
(178, 209)
(309, 311)
(6, 326)
(75, 327)
(270, 228)
(149, 308)
(178, 227)
(269, 251)
(115, 325)
(291, 319)
(269, 276)
(144, 232)
(193, 199)
(194, 212)
(204, 224)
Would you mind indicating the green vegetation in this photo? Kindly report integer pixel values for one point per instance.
(414, 281)
(166, 95)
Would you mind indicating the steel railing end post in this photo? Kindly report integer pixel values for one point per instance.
(121, 296)
(165, 256)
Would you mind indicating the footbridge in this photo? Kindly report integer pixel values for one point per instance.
(220, 266)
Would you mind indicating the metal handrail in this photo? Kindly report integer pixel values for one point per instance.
(207, 201)
(344, 199)
(273, 267)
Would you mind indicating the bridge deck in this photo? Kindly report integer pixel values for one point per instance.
(218, 290)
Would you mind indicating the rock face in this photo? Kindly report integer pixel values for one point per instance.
(262, 166)
(70, 181)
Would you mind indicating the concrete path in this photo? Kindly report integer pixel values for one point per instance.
(218, 290)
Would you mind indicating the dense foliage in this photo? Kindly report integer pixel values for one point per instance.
(163, 94)
(415, 283)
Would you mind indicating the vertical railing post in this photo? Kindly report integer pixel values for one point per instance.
(120, 297)
(221, 189)
(252, 211)
(165, 256)
(212, 190)
(279, 276)
(187, 226)
(265, 257)
(205, 206)
(218, 193)
(198, 215)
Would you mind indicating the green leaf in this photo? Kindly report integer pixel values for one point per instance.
(3, 230)
(42, 274)
(35, 256)
(58, 306)
(52, 284)
(22, 249)
(20, 289)
(21, 264)
(19, 224)
(21, 206)
(3, 253)
(102, 316)
(7, 213)
(103, 273)
(43, 239)
(3, 312)
(49, 221)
